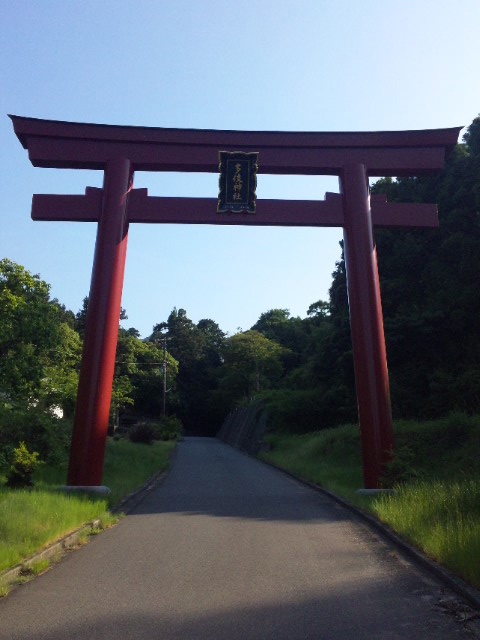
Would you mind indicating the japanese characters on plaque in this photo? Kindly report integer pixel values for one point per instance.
(237, 182)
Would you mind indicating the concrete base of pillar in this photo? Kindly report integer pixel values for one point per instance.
(374, 492)
(94, 490)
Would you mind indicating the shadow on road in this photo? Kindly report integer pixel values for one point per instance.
(342, 617)
(213, 479)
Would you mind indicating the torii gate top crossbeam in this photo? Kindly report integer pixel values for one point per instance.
(69, 145)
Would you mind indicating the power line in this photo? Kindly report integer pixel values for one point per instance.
(137, 362)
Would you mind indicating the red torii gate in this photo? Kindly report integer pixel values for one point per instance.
(119, 151)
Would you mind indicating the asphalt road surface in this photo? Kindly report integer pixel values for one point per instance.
(228, 548)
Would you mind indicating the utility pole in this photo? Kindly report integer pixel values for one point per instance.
(164, 376)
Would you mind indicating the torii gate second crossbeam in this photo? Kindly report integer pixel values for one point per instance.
(119, 151)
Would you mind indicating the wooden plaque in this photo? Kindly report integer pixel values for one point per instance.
(237, 182)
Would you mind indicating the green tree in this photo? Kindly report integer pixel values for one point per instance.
(252, 362)
(205, 413)
(80, 321)
(66, 316)
(292, 333)
(272, 323)
(319, 309)
(81, 318)
(429, 284)
(29, 330)
(185, 341)
(39, 354)
(212, 343)
(139, 374)
(58, 386)
(197, 348)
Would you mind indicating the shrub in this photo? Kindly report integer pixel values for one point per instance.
(6, 453)
(304, 410)
(169, 428)
(22, 468)
(401, 468)
(142, 432)
(37, 429)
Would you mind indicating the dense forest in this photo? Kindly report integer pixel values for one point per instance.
(299, 370)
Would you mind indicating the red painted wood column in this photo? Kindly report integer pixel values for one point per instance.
(101, 333)
(366, 321)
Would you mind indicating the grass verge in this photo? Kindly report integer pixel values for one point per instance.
(38, 567)
(31, 519)
(436, 505)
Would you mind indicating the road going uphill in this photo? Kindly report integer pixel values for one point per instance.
(228, 548)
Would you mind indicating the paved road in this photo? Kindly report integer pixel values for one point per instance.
(228, 548)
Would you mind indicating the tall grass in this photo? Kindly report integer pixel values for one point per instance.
(443, 518)
(30, 519)
(330, 458)
(127, 466)
(437, 507)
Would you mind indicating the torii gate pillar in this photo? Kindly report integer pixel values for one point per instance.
(101, 332)
(366, 322)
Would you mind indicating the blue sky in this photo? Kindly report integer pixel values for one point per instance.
(280, 65)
